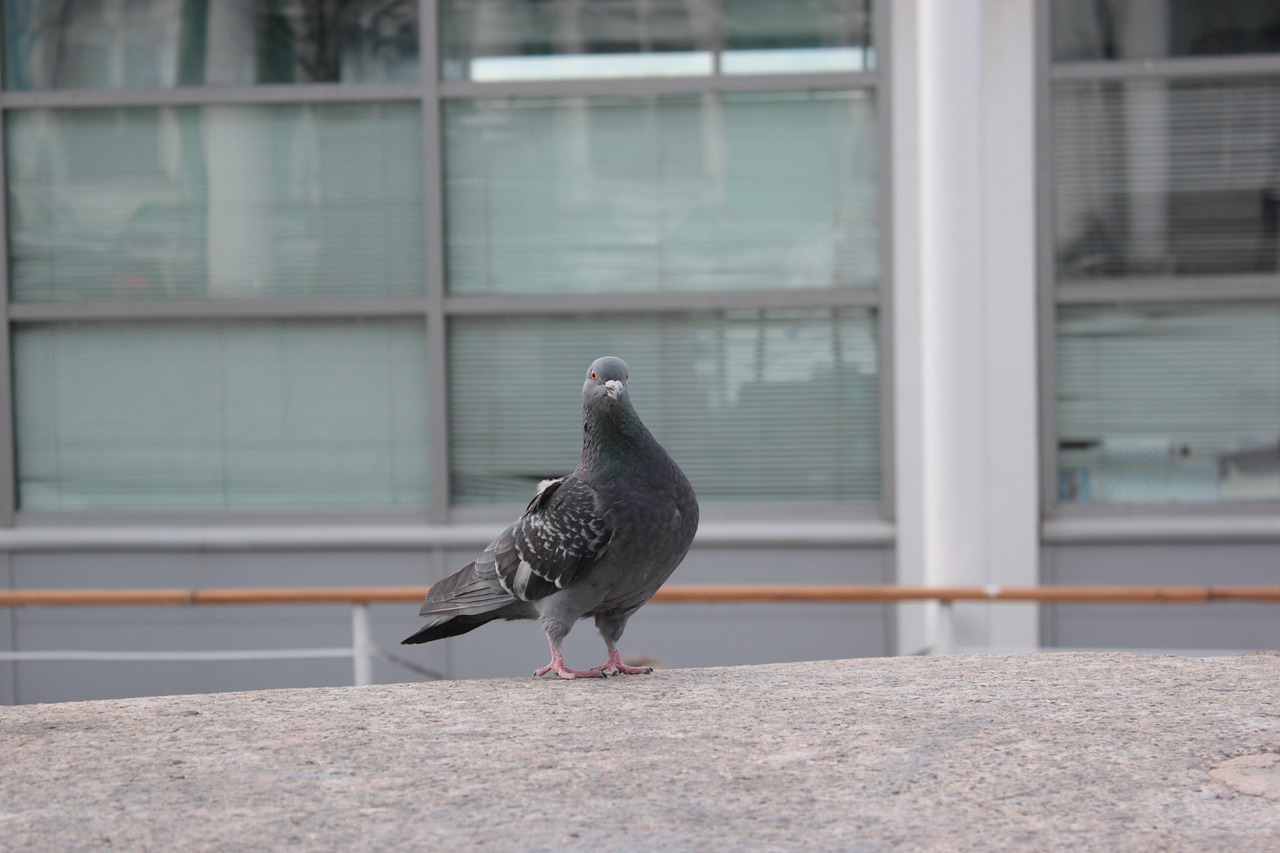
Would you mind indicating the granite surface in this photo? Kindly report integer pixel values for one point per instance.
(1069, 751)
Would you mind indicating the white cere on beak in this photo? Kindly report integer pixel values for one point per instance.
(613, 388)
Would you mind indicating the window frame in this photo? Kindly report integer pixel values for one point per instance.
(434, 306)
(1071, 521)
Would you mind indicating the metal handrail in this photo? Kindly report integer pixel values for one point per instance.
(363, 649)
(678, 593)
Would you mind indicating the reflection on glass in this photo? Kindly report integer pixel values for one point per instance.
(1168, 404)
(778, 37)
(491, 40)
(1166, 179)
(221, 415)
(92, 44)
(731, 192)
(218, 201)
(721, 392)
(1085, 30)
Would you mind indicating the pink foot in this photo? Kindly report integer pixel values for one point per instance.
(566, 673)
(557, 666)
(615, 666)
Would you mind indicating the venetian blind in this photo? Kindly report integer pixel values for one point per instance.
(221, 415)
(216, 201)
(1169, 403)
(714, 192)
(769, 406)
(1159, 179)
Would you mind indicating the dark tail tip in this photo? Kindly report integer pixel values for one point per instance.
(449, 628)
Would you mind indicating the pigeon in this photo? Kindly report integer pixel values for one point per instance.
(596, 543)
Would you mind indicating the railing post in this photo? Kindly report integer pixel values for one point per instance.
(944, 627)
(361, 644)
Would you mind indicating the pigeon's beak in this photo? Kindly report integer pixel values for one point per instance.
(613, 388)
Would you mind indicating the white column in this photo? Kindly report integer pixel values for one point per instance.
(964, 310)
(907, 314)
(1011, 359)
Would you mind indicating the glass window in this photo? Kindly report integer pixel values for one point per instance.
(1168, 403)
(779, 37)
(1149, 29)
(1156, 178)
(1169, 183)
(670, 193)
(490, 40)
(122, 44)
(215, 201)
(221, 415)
(721, 392)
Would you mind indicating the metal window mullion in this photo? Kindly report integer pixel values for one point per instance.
(313, 93)
(1255, 510)
(1233, 288)
(437, 326)
(302, 308)
(1169, 68)
(605, 86)
(1047, 285)
(881, 22)
(8, 446)
(717, 45)
(662, 302)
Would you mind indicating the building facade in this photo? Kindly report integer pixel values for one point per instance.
(921, 291)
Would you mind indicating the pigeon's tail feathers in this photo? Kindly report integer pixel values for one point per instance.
(449, 626)
(460, 603)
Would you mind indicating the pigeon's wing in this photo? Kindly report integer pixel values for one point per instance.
(469, 591)
(561, 534)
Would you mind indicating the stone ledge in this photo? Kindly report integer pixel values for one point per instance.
(989, 752)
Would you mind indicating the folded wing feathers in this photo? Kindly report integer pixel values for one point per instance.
(467, 591)
(560, 535)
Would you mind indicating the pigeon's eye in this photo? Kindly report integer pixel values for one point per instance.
(593, 375)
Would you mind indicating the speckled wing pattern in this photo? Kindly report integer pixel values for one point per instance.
(561, 533)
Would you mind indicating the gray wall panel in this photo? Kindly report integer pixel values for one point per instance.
(202, 628)
(8, 671)
(1219, 625)
(216, 569)
(685, 635)
(707, 635)
(675, 634)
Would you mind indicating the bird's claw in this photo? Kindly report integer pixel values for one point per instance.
(611, 669)
(633, 670)
(566, 673)
(613, 666)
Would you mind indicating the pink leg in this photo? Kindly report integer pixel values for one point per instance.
(557, 666)
(615, 666)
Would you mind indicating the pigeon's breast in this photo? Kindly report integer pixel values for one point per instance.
(654, 529)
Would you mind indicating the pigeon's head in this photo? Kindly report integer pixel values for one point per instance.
(606, 380)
